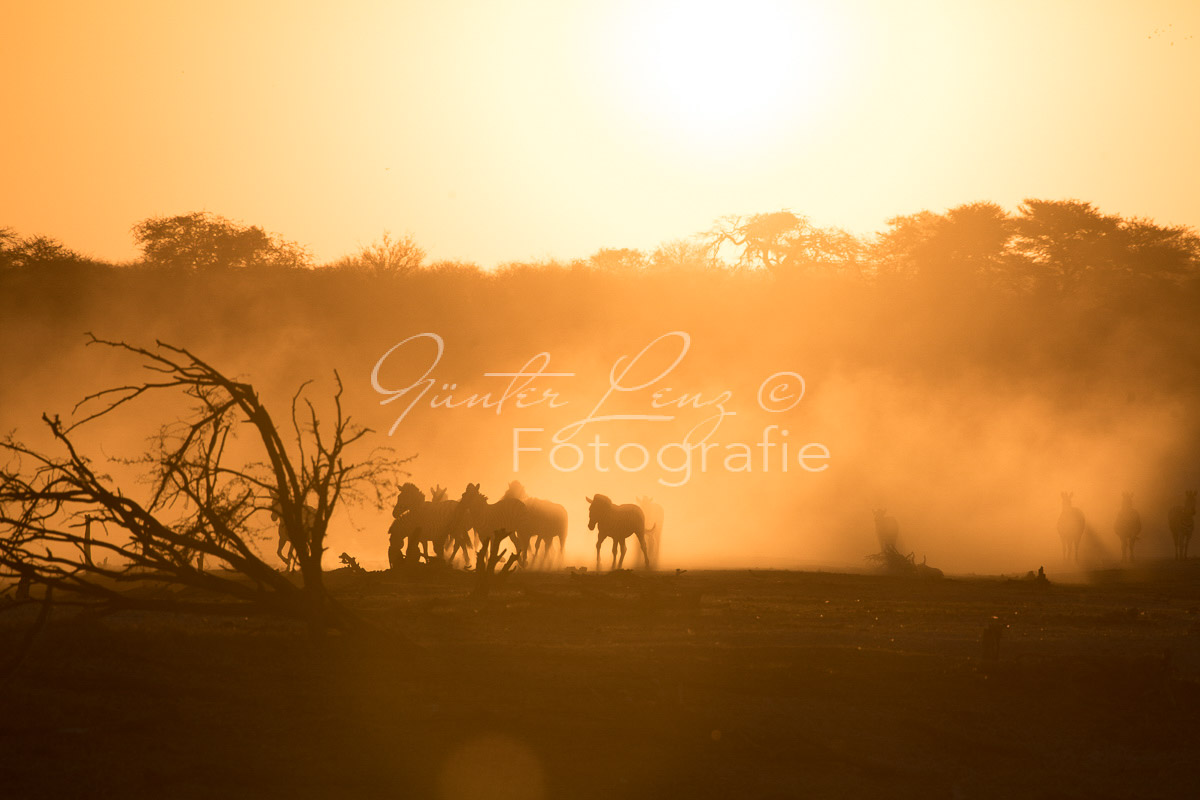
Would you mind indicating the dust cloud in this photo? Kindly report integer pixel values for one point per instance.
(962, 409)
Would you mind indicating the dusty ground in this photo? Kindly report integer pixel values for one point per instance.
(706, 684)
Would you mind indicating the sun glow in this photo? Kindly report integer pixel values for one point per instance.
(730, 72)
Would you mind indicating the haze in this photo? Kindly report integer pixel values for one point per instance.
(499, 132)
(974, 342)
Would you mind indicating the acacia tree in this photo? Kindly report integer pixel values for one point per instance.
(207, 241)
(33, 251)
(65, 526)
(968, 242)
(784, 242)
(1065, 246)
(1072, 244)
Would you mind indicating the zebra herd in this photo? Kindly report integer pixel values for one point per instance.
(1127, 526)
(439, 528)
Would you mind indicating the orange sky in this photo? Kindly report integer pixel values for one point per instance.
(517, 130)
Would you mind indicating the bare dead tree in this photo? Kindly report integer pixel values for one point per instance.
(64, 526)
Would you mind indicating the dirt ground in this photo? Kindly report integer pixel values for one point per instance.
(705, 684)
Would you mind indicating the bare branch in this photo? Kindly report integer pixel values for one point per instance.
(197, 527)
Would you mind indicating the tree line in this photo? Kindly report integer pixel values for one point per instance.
(1045, 245)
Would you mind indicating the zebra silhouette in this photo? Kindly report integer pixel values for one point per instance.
(1128, 526)
(1182, 520)
(1070, 528)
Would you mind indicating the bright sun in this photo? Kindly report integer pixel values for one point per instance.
(726, 72)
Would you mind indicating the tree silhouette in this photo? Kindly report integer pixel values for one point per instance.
(784, 242)
(33, 251)
(388, 256)
(1169, 253)
(1066, 239)
(1064, 246)
(765, 239)
(1072, 244)
(206, 241)
(64, 526)
(680, 254)
(969, 242)
(623, 259)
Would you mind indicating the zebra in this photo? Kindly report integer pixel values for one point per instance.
(1182, 522)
